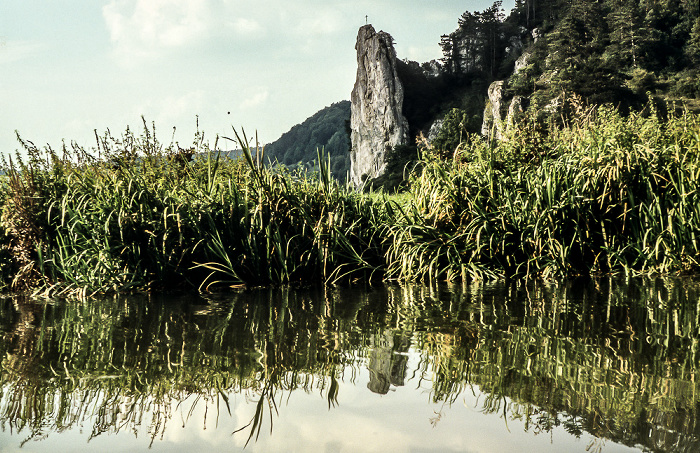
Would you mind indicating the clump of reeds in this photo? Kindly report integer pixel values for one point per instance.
(602, 194)
(142, 216)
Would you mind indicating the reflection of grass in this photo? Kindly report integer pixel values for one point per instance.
(615, 360)
(625, 366)
(267, 395)
(122, 365)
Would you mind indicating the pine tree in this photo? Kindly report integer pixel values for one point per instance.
(630, 34)
(692, 49)
(476, 44)
(490, 21)
(468, 32)
(448, 47)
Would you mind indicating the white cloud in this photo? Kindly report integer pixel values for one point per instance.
(255, 100)
(423, 53)
(176, 107)
(319, 23)
(247, 27)
(168, 111)
(144, 28)
(14, 51)
(147, 29)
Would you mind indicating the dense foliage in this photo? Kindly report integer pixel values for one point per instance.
(326, 132)
(615, 52)
(604, 193)
(607, 51)
(145, 217)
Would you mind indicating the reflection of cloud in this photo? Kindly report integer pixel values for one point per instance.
(13, 51)
(363, 421)
(255, 100)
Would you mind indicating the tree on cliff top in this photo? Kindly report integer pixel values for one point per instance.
(476, 45)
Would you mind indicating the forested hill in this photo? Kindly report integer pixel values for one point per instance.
(545, 52)
(548, 52)
(603, 50)
(326, 130)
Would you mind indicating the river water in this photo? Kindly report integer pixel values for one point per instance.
(607, 365)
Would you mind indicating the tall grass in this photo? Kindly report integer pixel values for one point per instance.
(142, 216)
(601, 194)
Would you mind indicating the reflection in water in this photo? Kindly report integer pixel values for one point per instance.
(388, 360)
(617, 359)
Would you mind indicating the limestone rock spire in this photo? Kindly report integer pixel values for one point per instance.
(377, 123)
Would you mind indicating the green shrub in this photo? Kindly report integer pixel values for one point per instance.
(608, 194)
(145, 217)
(642, 81)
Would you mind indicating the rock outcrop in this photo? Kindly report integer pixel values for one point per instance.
(435, 129)
(492, 125)
(377, 122)
(388, 361)
(501, 111)
(522, 62)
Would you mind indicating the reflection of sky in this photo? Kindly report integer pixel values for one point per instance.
(403, 420)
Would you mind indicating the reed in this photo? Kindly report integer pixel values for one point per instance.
(142, 217)
(600, 194)
(603, 194)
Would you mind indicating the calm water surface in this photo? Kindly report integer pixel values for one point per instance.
(580, 366)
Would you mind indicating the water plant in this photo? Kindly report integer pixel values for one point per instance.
(600, 193)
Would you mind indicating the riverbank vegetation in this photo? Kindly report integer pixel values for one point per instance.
(599, 193)
(142, 216)
(602, 193)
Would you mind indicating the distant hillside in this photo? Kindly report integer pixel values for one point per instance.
(326, 130)
(541, 54)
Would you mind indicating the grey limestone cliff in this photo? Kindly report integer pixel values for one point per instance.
(500, 112)
(377, 122)
(494, 111)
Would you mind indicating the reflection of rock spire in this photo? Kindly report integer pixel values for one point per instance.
(387, 361)
(23, 338)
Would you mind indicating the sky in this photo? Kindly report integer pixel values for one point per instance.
(70, 67)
